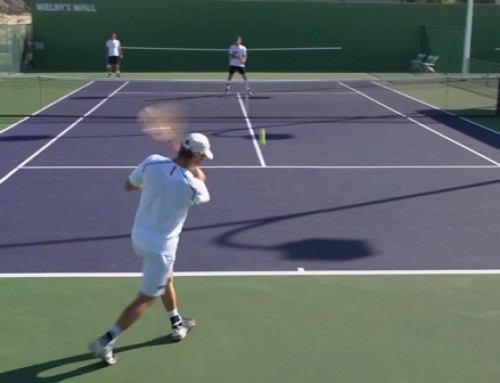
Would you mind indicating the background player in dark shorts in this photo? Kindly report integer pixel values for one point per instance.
(114, 54)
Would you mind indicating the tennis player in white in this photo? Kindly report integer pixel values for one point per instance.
(237, 60)
(169, 187)
(114, 54)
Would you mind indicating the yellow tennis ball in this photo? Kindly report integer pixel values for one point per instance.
(262, 136)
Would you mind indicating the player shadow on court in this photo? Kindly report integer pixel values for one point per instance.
(354, 248)
(31, 374)
(327, 249)
(243, 133)
(27, 137)
(85, 98)
(208, 96)
(185, 97)
(65, 241)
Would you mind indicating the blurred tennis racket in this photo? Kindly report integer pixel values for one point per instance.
(163, 122)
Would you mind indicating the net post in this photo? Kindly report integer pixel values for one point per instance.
(497, 108)
(40, 92)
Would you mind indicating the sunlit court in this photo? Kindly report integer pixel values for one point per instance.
(352, 229)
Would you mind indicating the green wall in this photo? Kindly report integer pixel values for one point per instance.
(374, 37)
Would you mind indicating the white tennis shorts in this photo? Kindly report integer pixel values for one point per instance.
(156, 269)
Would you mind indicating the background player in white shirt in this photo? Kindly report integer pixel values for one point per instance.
(237, 59)
(113, 54)
(169, 187)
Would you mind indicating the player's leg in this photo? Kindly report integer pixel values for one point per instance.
(155, 271)
(243, 73)
(102, 346)
(169, 300)
(232, 71)
(112, 60)
(117, 67)
(180, 326)
(109, 66)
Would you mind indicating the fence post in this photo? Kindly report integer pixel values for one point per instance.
(497, 109)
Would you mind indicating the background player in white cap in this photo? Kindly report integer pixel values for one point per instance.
(169, 187)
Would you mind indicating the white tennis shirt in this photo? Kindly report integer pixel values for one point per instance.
(168, 191)
(239, 51)
(113, 47)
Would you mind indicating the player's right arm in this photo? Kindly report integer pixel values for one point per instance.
(129, 186)
(134, 180)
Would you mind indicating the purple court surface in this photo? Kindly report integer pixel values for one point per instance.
(360, 178)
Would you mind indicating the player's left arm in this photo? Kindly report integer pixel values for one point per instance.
(201, 192)
(198, 173)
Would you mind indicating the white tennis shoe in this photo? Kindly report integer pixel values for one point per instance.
(180, 332)
(104, 352)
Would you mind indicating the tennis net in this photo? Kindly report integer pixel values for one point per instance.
(23, 95)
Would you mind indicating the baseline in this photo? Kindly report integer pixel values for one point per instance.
(298, 167)
(300, 272)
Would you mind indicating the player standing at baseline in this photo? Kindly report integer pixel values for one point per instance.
(114, 54)
(237, 60)
(169, 187)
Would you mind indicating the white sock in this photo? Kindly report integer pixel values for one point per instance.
(175, 317)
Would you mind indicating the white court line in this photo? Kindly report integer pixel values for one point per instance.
(252, 133)
(45, 107)
(422, 125)
(39, 151)
(225, 49)
(220, 94)
(77, 167)
(340, 273)
(340, 167)
(436, 108)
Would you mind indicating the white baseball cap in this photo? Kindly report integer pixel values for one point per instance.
(198, 143)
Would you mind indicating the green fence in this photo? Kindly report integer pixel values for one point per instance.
(14, 47)
(447, 43)
(483, 66)
(70, 36)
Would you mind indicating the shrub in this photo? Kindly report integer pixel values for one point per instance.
(13, 7)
